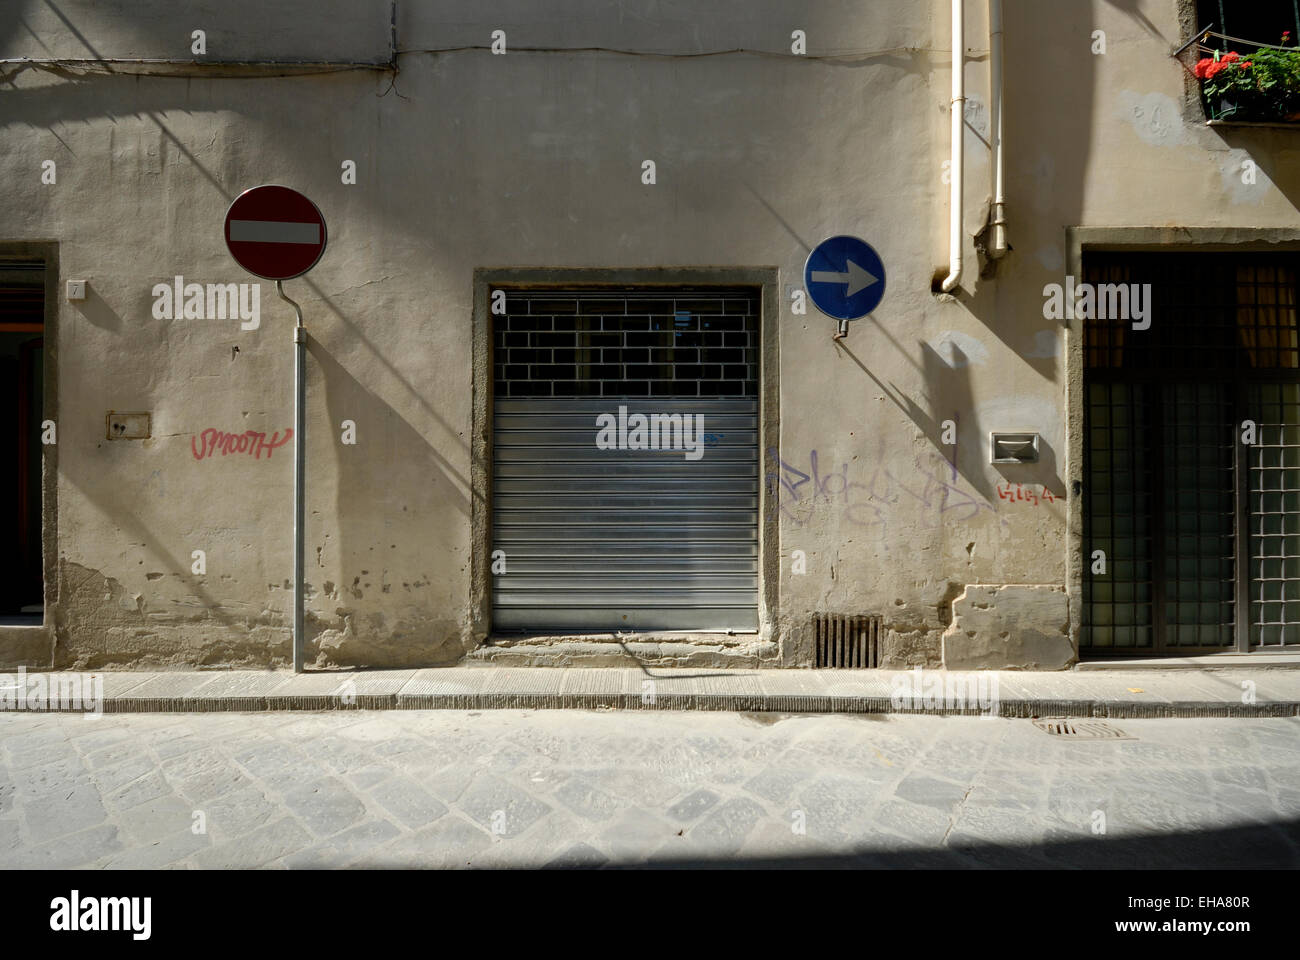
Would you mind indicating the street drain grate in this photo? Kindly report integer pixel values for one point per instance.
(1069, 729)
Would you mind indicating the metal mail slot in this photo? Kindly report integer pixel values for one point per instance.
(1013, 447)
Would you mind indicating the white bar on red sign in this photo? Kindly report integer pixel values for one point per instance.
(273, 231)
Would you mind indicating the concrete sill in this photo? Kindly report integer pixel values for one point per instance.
(25, 644)
(666, 636)
(1209, 661)
(1279, 124)
(674, 649)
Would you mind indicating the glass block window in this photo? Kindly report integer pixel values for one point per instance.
(643, 343)
(1274, 516)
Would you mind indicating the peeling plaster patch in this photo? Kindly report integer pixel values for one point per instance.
(102, 625)
(1052, 259)
(1047, 343)
(1156, 118)
(368, 641)
(1239, 192)
(907, 645)
(944, 607)
(960, 349)
(1005, 626)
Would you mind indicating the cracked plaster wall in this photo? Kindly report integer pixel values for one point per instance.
(469, 160)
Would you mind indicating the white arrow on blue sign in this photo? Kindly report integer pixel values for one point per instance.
(844, 278)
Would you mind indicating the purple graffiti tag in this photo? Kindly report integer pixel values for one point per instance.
(799, 495)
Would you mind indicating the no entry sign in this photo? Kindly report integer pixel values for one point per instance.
(275, 233)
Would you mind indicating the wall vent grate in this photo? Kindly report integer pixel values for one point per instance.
(847, 641)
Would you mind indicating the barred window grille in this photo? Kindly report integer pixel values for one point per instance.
(1200, 531)
(1274, 516)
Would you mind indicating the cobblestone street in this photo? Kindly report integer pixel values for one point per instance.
(558, 788)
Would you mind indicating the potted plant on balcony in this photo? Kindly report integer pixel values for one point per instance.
(1263, 87)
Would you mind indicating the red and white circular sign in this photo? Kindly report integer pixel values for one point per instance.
(275, 233)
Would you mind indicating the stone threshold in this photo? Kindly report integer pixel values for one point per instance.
(1209, 661)
(1133, 693)
(675, 649)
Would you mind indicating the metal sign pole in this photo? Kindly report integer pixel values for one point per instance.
(278, 234)
(299, 475)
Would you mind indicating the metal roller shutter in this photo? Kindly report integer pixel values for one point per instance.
(598, 539)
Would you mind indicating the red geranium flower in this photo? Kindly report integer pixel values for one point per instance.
(1203, 66)
(1214, 69)
(1230, 56)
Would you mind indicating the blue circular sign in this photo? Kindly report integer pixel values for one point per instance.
(845, 278)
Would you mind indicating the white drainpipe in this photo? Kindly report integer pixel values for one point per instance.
(958, 130)
(998, 246)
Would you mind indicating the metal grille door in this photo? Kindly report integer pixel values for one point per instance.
(625, 439)
(1197, 560)
(1199, 527)
(1119, 607)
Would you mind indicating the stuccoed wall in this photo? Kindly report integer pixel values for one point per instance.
(467, 159)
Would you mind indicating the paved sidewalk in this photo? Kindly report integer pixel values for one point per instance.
(505, 788)
(1236, 692)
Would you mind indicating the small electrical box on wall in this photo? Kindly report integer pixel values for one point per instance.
(1013, 447)
(128, 426)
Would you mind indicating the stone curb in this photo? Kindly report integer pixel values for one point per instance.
(778, 703)
(1136, 694)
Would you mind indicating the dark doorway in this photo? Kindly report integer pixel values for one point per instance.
(22, 361)
(1192, 457)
